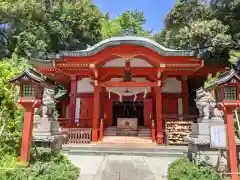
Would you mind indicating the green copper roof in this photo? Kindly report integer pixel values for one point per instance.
(60, 91)
(139, 41)
(43, 59)
(33, 75)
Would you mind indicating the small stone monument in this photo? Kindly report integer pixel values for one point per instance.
(199, 140)
(46, 128)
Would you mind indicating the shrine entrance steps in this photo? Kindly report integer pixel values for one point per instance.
(141, 132)
(126, 140)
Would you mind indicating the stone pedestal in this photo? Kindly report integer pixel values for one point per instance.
(46, 133)
(199, 150)
(203, 154)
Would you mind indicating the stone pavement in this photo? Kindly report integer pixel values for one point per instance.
(121, 167)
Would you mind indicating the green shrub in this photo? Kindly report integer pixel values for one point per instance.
(46, 166)
(10, 143)
(183, 169)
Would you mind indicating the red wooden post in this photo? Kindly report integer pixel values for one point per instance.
(153, 132)
(101, 130)
(232, 152)
(158, 109)
(72, 102)
(96, 113)
(27, 131)
(109, 112)
(185, 95)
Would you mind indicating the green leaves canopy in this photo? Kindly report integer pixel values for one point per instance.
(45, 25)
(191, 26)
(133, 20)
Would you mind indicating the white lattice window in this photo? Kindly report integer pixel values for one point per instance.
(27, 90)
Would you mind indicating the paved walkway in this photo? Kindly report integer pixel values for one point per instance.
(120, 167)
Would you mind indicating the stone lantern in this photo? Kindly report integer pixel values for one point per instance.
(31, 86)
(226, 88)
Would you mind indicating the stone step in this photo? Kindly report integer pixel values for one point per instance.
(144, 135)
(110, 133)
(127, 153)
(145, 132)
(126, 149)
(125, 139)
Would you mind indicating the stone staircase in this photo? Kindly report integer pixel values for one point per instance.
(142, 132)
(110, 131)
(112, 135)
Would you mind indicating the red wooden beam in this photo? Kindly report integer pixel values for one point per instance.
(128, 84)
(105, 73)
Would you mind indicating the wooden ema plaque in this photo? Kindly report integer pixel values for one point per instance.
(127, 126)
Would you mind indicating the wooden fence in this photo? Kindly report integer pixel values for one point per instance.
(79, 135)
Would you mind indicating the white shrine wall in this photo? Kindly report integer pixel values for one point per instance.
(172, 85)
(84, 86)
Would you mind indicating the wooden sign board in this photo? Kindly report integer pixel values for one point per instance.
(218, 136)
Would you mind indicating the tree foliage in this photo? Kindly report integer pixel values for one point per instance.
(46, 25)
(10, 113)
(128, 20)
(192, 26)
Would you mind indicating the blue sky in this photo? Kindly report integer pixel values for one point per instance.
(154, 10)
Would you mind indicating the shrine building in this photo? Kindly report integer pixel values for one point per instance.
(129, 83)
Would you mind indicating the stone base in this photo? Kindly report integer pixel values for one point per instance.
(203, 154)
(45, 125)
(203, 128)
(211, 121)
(46, 133)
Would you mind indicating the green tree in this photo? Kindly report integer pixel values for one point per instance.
(110, 27)
(10, 112)
(192, 26)
(50, 26)
(128, 20)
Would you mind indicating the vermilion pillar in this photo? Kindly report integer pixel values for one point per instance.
(96, 113)
(73, 92)
(185, 94)
(27, 131)
(232, 152)
(158, 112)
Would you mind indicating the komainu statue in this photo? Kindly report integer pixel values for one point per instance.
(206, 105)
(48, 101)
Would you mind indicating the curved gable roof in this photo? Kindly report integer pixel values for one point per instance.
(139, 41)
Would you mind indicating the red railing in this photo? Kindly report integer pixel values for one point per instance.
(66, 122)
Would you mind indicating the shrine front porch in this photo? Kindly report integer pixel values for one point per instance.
(174, 131)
